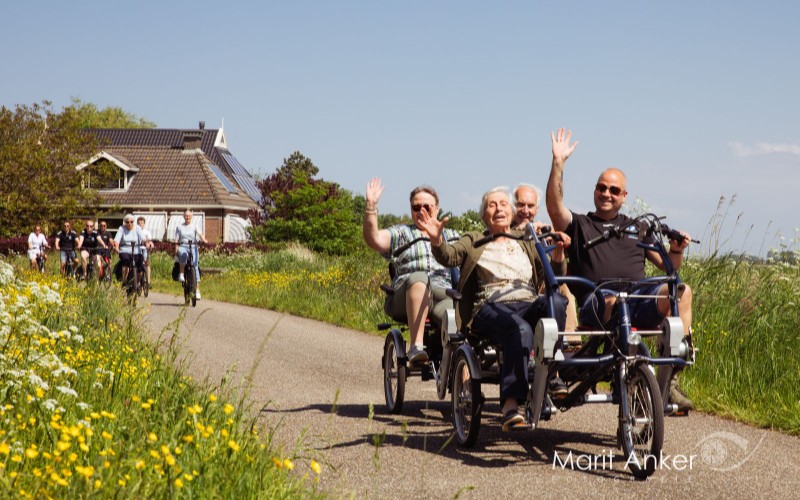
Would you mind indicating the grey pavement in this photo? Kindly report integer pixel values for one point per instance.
(319, 388)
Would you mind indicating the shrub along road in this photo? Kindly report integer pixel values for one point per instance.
(317, 384)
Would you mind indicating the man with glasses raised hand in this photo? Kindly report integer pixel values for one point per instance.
(419, 282)
(617, 258)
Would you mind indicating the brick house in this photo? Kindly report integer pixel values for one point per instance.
(159, 173)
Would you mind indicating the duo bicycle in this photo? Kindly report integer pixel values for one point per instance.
(616, 355)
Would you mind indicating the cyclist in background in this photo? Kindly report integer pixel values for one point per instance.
(36, 245)
(185, 233)
(88, 242)
(65, 244)
(127, 234)
(148, 245)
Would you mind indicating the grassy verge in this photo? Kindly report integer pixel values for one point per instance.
(746, 318)
(344, 291)
(87, 408)
(747, 327)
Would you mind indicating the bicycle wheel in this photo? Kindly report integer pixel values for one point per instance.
(394, 376)
(189, 293)
(642, 421)
(467, 404)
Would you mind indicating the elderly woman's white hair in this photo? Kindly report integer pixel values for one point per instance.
(484, 202)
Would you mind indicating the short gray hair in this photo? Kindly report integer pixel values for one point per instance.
(128, 217)
(529, 186)
(485, 197)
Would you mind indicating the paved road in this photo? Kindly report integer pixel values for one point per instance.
(318, 385)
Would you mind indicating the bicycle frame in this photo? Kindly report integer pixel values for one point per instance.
(547, 338)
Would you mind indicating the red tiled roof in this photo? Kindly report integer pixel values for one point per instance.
(172, 177)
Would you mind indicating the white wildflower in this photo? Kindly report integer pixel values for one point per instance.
(83, 406)
(69, 391)
(6, 274)
(97, 385)
(50, 405)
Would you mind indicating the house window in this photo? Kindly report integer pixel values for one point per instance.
(104, 175)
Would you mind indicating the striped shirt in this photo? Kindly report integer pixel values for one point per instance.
(418, 257)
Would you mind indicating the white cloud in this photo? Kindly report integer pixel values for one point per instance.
(763, 148)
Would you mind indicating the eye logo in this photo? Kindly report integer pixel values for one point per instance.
(726, 451)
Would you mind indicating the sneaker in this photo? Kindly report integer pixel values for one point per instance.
(513, 421)
(417, 354)
(197, 295)
(678, 397)
(181, 278)
(557, 387)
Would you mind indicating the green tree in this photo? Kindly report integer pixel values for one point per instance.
(89, 116)
(466, 222)
(315, 212)
(39, 150)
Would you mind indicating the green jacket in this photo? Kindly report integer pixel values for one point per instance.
(464, 254)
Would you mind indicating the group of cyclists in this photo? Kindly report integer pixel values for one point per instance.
(498, 280)
(132, 242)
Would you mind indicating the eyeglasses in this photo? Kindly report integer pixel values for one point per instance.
(417, 208)
(602, 188)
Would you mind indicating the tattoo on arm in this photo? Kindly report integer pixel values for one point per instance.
(561, 186)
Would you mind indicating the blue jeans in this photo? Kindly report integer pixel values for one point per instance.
(510, 325)
(183, 257)
(644, 312)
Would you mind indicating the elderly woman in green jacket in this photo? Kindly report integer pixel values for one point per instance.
(500, 282)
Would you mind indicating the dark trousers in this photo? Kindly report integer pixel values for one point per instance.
(510, 325)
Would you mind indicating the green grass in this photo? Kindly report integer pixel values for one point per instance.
(88, 408)
(344, 291)
(746, 318)
(747, 327)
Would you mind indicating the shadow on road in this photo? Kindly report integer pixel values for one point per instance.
(427, 426)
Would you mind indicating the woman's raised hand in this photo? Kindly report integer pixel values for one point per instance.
(374, 191)
(434, 228)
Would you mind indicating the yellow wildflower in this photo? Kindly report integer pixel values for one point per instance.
(233, 445)
(139, 465)
(228, 409)
(212, 397)
(152, 437)
(288, 464)
(178, 482)
(277, 462)
(87, 471)
(316, 467)
(31, 452)
(5, 449)
(62, 446)
(106, 435)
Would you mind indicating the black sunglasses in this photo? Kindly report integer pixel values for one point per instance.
(417, 208)
(602, 188)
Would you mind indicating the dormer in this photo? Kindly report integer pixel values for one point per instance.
(108, 173)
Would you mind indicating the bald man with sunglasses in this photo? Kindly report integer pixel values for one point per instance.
(617, 258)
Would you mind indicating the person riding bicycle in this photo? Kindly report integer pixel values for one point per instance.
(128, 242)
(37, 242)
(499, 284)
(148, 245)
(419, 281)
(526, 202)
(89, 241)
(184, 234)
(618, 258)
(65, 244)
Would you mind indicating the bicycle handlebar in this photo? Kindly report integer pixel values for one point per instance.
(642, 226)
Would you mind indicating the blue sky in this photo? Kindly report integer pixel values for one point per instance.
(693, 100)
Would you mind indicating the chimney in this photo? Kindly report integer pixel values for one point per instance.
(192, 139)
(202, 125)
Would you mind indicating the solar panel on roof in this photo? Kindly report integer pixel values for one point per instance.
(224, 180)
(241, 175)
